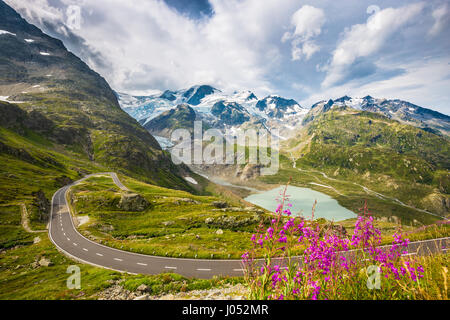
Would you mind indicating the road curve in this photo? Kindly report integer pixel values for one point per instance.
(68, 240)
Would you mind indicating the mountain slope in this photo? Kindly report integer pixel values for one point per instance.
(370, 149)
(163, 125)
(396, 109)
(80, 111)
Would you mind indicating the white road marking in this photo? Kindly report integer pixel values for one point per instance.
(203, 269)
(238, 270)
(99, 254)
(68, 239)
(117, 259)
(141, 264)
(85, 249)
(173, 268)
(75, 244)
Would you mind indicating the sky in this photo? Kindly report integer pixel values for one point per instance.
(306, 50)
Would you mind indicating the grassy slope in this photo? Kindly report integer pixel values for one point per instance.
(170, 226)
(396, 160)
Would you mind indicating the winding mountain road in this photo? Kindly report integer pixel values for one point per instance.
(69, 241)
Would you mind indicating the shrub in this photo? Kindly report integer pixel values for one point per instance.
(333, 266)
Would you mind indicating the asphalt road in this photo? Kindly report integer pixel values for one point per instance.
(67, 239)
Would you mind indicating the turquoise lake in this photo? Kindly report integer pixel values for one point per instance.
(302, 200)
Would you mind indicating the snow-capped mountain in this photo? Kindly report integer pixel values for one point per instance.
(396, 109)
(218, 109)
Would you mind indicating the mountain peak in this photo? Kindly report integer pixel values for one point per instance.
(195, 94)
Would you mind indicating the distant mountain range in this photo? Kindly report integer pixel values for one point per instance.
(216, 109)
(244, 110)
(402, 111)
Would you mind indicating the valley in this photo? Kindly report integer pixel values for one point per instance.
(89, 178)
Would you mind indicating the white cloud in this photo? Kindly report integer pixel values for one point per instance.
(307, 23)
(422, 84)
(441, 17)
(148, 45)
(362, 40)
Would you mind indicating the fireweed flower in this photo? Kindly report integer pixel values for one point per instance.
(323, 268)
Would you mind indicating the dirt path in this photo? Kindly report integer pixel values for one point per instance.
(25, 222)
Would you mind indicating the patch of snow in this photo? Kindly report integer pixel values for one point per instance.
(7, 32)
(190, 180)
(412, 109)
(44, 53)
(164, 142)
(29, 40)
(36, 86)
(4, 98)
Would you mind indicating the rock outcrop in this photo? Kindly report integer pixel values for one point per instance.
(133, 202)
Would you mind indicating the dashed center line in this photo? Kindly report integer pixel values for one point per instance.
(99, 254)
(238, 270)
(203, 269)
(68, 239)
(85, 249)
(75, 244)
(117, 259)
(173, 268)
(141, 264)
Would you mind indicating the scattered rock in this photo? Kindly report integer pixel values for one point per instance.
(168, 223)
(36, 240)
(209, 220)
(143, 297)
(185, 200)
(219, 232)
(142, 288)
(45, 262)
(133, 202)
(220, 204)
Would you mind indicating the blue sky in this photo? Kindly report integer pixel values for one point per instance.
(306, 50)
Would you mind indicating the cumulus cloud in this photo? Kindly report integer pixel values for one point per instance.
(147, 44)
(307, 23)
(363, 40)
(408, 85)
(328, 48)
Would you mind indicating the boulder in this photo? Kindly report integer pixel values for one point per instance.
(142, 288)
(133, 202)
(44, 262)
(220, 204)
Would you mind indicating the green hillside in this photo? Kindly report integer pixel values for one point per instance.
(347, 149)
